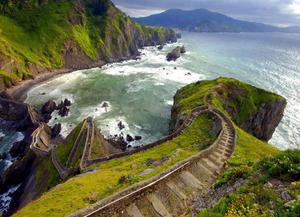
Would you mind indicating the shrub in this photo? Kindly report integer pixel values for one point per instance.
(286, 165)
(233, 174)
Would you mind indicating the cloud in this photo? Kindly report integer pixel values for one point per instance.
(294, 8)
(139, 12)
(278, 12)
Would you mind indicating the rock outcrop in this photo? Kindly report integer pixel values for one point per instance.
(176, 53)
(258, 112)
(263, 123)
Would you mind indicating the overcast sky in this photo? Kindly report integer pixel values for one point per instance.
(276, 12)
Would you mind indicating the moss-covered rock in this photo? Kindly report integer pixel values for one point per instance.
(255, 110)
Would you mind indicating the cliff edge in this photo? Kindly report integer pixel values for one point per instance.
(254, 110)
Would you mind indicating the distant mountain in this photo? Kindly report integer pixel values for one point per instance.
(202, 20)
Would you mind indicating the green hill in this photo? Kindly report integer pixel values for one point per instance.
(115, 175)
(38, 36)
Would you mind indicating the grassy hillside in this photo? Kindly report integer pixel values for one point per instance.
(242, 99)
(36, 36)
(253, 160)
(118, 174)
(64, 150)
(246, 105)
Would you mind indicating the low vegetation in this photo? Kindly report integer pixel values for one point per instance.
(115, 175)
(63, 150)
(248, 151)
(118, 174)
(259, 197)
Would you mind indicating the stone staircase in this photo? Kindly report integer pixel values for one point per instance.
(172, 192)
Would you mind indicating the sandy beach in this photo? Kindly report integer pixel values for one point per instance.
(19, 92)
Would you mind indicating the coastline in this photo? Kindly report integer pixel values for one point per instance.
(19, 92)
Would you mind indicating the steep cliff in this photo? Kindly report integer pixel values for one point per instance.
(39, 36)
(256, 111)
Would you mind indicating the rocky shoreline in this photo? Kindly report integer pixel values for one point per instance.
(27, 161)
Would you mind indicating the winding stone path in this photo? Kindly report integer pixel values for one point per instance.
(88, 143)
(64, 171)
(173, 191)
(188, 121)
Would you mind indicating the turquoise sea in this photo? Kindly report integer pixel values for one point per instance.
(140, 93)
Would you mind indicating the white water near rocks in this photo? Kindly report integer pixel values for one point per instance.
(140, 93)
(5, 199)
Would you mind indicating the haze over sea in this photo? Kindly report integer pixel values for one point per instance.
(140, 93)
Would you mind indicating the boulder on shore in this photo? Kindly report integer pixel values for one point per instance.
(121, 125)
(64, 111)
(67, 102)
(119, 142)
(137, 138)
(182, 50)
(55, 131)
(129, 138)
(49, 107)
(160, 47)
(176, 53)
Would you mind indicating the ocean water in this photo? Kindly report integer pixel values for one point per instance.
(140, 93)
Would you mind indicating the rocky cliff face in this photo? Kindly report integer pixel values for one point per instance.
(263, 123)
(40, 36)
(256, 111)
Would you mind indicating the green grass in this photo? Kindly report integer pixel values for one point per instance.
(64, 150)
(97, 149)
(248, 151)
(75, 193)
(36, 36)
(241, 98)
(78, 155)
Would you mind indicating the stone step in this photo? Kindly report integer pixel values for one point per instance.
(202, 175)
(184, 188)
(223, 145)
(190, 180)
(207, 170)
(219, 157)
(174, 188)
(133, 211)
(224, 150)
(211, 165)
(145, 207)
(222, 142)
(158, 206)
(215, 159)
(174, 203)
